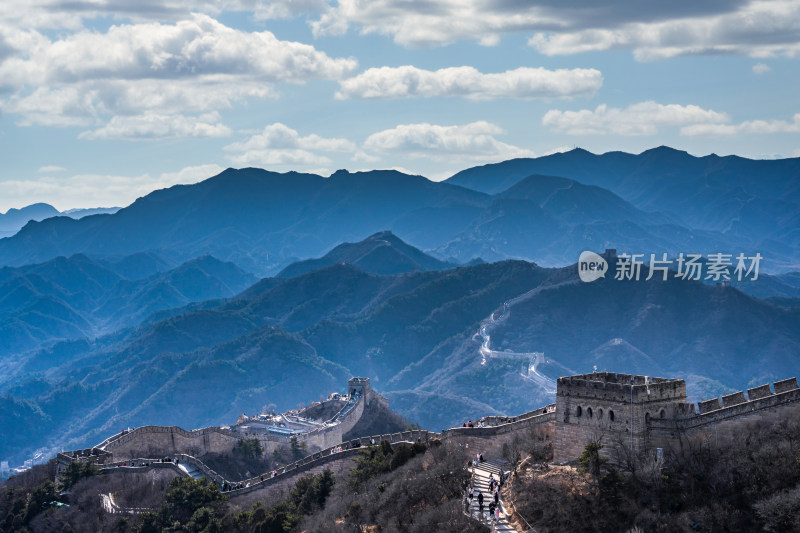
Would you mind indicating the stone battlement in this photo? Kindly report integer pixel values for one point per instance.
(614, 387)
(357, 385)
(645, 412)
(737, 404)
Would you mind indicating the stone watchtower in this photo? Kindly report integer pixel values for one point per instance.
(358, 386)
(614, 409)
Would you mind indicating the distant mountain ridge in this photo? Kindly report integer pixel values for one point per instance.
(260, 220)
(14, 219)
(263, 221)
(381, 253)
(756, 202)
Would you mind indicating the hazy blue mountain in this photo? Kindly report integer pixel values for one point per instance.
(767, 286)
(19, 419)
(139, 265)
(642, 172)
(14, 219)
(85, 212)
(788, 303)
(790, 278)
(381, 253)
(575, 203)
(552, 220)
(439, 411)
(263, 221)
(75, 297)
(755, 201)
(257, 219)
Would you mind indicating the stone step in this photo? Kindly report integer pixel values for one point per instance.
(489, 467)
(191, 471)
(480, 483)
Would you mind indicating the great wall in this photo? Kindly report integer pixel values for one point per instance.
(628, 414)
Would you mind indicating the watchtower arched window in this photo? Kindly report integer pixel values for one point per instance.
(589, 411)
(599, 414)
(611, 415)
(647, 418)
(662, 414)
(578, 411)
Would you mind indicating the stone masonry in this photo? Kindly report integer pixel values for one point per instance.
(637, 414)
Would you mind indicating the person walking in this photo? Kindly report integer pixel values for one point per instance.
(480, 502)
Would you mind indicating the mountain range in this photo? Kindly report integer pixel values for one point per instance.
(12, 220)
(545, 210)
(754, 201)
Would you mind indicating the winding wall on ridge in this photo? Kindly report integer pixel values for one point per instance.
(160, 441)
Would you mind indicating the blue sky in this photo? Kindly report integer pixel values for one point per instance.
(103, 101)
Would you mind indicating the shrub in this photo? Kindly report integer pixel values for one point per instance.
(249, 448)
(76, 471)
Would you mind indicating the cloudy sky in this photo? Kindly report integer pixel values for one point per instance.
(102, 101)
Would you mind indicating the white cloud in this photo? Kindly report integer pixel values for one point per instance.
(475, 141)
(558, 150)
(468, 82)
(638, 119)
(746, 127)
(80, 103)
(755, 29)
(491, 39)
(363, 156)
(56, 14)
(51, 169)
(157, 126)
(283, 9)
(190, 48)
(193, 66)
(92, 190)
(652, 29)
(279, 144)
(761, 68)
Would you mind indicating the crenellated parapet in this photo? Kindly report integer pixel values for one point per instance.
(642, 413)
(742, 404)
(615, 387)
